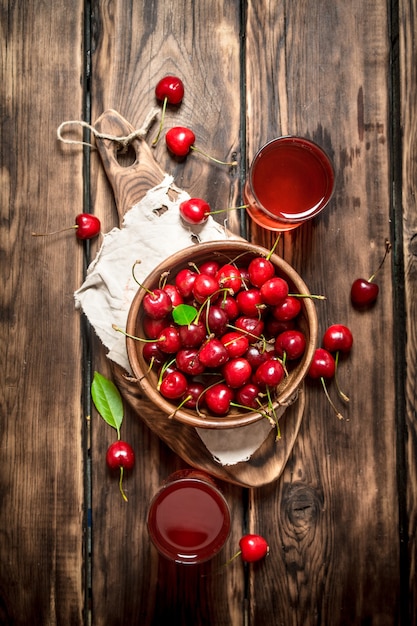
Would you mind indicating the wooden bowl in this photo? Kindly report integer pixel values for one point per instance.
(224, 252)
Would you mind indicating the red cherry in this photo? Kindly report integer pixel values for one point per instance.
(204, 287)
(253, 548)
(287, 310)
(174, 294)
(86, 226)
(269, 374)
(188, 362)
(216, 320)
(153, 354)
(184, 282)
(218, 398)
(157, 304)
(192, 335)
(173, 385)
(274, 327)
(363, 292)
(256, 356)
(291, 343)
(194, 211)
(209, 267)
(194, 394)
(337, 338)
(322, 364)
(274, 291)
(249, 396)
(171, 88)
(169, 340)
(229, 306)
(235, 343)
(237, 372)
(229, 277)
(213, 353)
(179, 140)
(250, 302)
(153, 328)
(120, 454)
(251, 327)
(260, 270)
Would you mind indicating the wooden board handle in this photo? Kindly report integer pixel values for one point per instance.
(129, 182)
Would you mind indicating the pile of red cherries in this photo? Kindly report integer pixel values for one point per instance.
(236, 348)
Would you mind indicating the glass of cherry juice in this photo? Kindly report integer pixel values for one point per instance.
(189, 518)
(291, 180)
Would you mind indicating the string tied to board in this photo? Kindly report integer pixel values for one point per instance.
(124, 141)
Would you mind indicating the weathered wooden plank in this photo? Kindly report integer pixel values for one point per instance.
(322, 71)
(408, 94)
(134, 45)
(41, 478)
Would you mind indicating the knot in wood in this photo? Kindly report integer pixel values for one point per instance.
(302, 505)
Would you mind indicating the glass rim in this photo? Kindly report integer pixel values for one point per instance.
(299, 219)
(214, 546)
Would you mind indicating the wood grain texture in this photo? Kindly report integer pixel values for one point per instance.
(335, 507)
(127, 62)
(41, 477)
(341, 520)
(407, 224)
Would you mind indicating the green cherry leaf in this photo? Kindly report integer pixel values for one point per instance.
(108, 401)
(184, 314)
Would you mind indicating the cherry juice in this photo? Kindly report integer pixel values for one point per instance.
(291, 179)
(189, 519)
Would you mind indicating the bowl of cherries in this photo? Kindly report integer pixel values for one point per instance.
(221, 334)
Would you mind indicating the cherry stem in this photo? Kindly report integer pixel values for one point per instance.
(271, 406)
(231, 208)
(339, 391)
(164, 368)
(55, 232)
(124, 496)
(308, 295)
(161, 123)
(182, 403)
(221, 568)
(272, 250)
(231, 163)
(120, 330)
(151, 293)
(339, 415)
(388, 247)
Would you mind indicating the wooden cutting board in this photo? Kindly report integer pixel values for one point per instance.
(129, 185)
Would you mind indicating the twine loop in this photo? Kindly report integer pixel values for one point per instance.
(124, 141)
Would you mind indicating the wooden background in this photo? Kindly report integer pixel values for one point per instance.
(342, 518)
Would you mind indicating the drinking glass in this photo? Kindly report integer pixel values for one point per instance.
(189, 518)
(290, 180)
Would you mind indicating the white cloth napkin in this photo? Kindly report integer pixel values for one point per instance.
(152, 230)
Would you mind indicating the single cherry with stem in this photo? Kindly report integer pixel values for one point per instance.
(196, 211)
(252, 548)
(323, 366)
(86, 226)
(364, 292)
(180, 140)
(120, 456)
(170, 90)
(336, 339)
